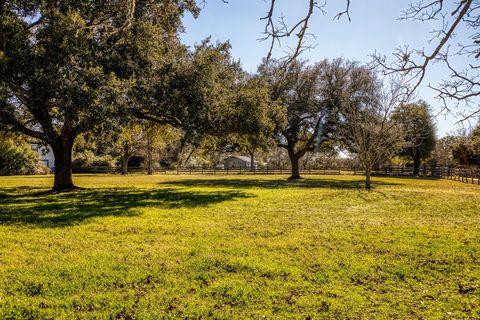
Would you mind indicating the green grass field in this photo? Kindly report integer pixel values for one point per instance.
(236, 247)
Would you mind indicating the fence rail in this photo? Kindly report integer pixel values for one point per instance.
(262, 171)
(466, 175)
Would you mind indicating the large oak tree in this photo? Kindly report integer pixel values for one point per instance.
(300, 89)
(68, 66)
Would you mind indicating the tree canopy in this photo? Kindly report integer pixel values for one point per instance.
(418, 130)
(67, 67)
(300, 89)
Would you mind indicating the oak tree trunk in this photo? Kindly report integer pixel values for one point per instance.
(252, 162)
(126, 156)
(149, 159)
(62, 150)
(294, 160)
(416, 165)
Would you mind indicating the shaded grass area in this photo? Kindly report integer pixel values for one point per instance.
(275, 183)
(59, 210)
(239, 247)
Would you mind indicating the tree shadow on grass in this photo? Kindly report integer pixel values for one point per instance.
(42, 209)
(279, 183)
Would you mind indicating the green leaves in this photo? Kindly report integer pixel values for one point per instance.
(16, 157)
(418, 128)
(69, 67)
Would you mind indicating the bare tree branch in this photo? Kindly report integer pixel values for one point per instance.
(276, 31)
(462, 89)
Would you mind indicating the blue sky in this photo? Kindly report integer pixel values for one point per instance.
(374, 27)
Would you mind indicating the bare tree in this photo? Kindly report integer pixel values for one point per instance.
(365, 127)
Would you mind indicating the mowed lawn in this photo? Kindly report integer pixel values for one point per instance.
(236, 247)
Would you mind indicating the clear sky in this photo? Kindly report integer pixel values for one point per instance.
(374, 27)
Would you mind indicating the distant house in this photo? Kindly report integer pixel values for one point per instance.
(238, 162)
(45, 154)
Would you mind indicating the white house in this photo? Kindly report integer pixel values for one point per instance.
(45, 154)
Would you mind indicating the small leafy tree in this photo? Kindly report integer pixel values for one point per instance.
(129, 142)
(474, 138)
(418, 128)
(155, 138)
(466, 149)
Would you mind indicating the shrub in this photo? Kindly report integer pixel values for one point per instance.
(88, 159)
(16, 157)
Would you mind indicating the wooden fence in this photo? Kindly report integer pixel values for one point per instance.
(466, 175)
(261, 171)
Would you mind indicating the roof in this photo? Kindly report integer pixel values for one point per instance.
(242, 158)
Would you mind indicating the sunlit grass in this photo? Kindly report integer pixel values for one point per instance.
(150, 247)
